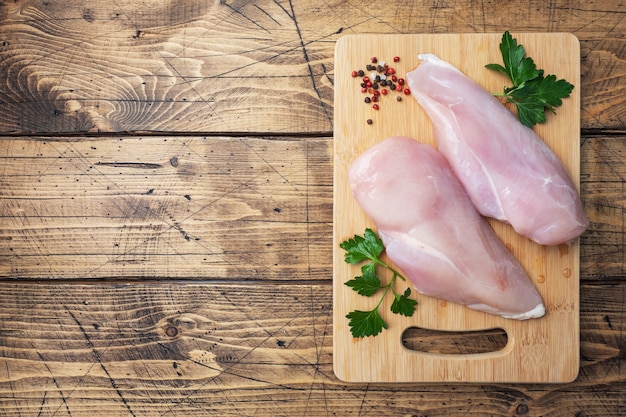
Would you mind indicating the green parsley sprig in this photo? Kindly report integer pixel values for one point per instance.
(368, 248)
(532, 92)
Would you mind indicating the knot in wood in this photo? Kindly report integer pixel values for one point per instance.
(171, 331)
(521, 409)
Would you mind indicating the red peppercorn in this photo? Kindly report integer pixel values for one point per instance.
(384, 84)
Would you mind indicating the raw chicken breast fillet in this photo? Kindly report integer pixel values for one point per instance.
(507, 170)
(433, 233)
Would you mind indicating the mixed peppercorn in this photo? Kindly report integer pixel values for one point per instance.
(382, 80)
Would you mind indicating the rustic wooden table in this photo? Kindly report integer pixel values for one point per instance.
(166, 208)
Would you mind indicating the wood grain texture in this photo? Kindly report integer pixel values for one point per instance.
(211, 349)
(169, 207)
(603, 176)
(265, 66)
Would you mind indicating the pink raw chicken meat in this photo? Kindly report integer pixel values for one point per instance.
(433, 233)
(507, 170)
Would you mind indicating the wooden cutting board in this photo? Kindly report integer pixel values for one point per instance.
(540, 350)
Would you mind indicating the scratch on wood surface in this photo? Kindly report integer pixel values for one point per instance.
(622, 337)
(362, 405)
(43, 403)
(237, 11)
(56, 384)
(11, 386)
(315, 305)
(262, 10)
(483, 14)
(98, 357)
(139, 165)
(309, 65)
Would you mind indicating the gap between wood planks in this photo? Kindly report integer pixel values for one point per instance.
(109, 135)
(175, 281)
(587, 132)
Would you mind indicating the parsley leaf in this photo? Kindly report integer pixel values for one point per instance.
(366, 323)
(404, 305)
(516, 66)
(533, 98)
(369, 247)
(368, 283)
(532, 92)
(361, 248)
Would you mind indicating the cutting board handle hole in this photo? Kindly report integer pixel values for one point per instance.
(454, 343)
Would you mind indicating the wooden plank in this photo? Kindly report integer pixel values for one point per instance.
(64, 216)
(603, 177)
(543, 350)
(249, 349)
(171, 207)
(182, 66)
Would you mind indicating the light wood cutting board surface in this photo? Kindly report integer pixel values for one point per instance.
(541, 350)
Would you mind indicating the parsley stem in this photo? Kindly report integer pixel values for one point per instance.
(395, 294)
(393, 281)
(388, 286)
(396, 274)
(384, 294)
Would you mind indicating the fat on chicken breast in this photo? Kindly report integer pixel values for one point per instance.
(433, 233)
(509, 173)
